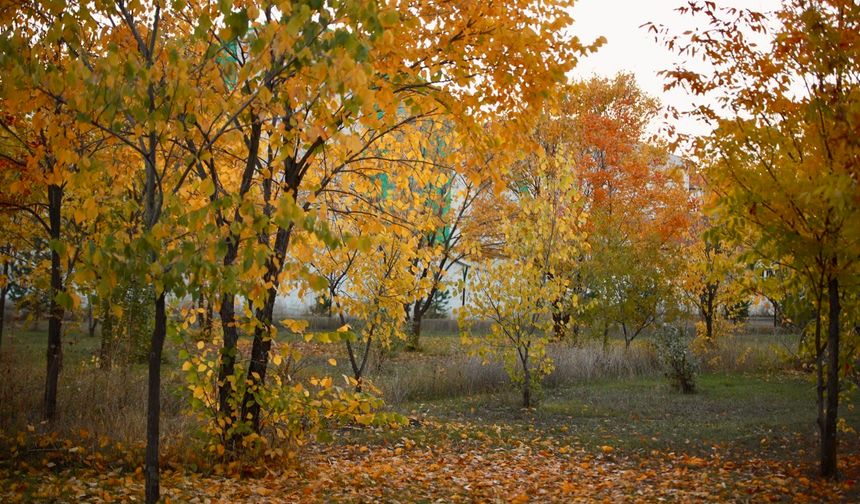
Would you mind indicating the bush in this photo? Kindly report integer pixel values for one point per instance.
(679, 364)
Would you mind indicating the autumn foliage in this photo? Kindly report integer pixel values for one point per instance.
(171, 171)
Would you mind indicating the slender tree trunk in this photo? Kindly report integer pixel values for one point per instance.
(227, 310)
(709, 326)
(415, 334)
(263, 330)
(3, 292)
(55, 322)
(819, 369)
(106, 352)
(227, 369)
(92, 321)
(153, 400)
(152, 214)
(627, 338)
(828, 441)
(527, 384)
(358, 369)
(605, 335)
(262, 333)
(259, 360)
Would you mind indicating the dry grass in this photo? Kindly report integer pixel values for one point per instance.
(112, 402)
(592, 361)
(109, 403)
(435, 378)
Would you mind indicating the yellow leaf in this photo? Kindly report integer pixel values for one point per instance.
(332, 362)
(366, 419)
(296, 326)
(200, 345)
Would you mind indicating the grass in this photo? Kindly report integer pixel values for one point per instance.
(598, 396)
(771, 415)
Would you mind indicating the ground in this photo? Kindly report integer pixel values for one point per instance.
(745, 436)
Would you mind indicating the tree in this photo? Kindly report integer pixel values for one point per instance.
(711, 280)
(388, 60)
(517, 291)
(45, 154)
(637, 203)
(233, 119)
(783, 113)
(125, 79)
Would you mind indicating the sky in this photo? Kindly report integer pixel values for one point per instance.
(631, 48)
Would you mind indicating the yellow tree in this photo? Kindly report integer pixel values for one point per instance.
(781, 93)
(712, 281)
(372, 69)
(47, 161)
(518, 290)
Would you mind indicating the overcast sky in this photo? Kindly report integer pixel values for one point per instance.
(631, 48)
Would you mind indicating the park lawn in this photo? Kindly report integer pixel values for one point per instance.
(742, 436)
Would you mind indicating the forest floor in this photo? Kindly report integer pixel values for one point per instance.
(743, 437)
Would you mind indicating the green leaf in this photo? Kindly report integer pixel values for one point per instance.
(65, 300)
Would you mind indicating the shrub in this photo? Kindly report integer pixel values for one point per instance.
(679, 364)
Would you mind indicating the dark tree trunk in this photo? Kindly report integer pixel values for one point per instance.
(415, 333)
(708, 310)
(709, 326)
(527, 385)
(415, 315)
(560, 319)
(106, 352)
(153, 400)
(55, 321)
(227, 310)
(228, 353)
(92, 321)
(259, 360)
(262, 332)
(605, 335)
(819, 369)
(358, 369)
(828, 441)
(3, 292)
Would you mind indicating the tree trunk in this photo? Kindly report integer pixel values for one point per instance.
(709, 327)
(415, 334)
(259, 360)
(3, 292)
(55, 322)
(107, 350)
(627, 338)
(527, 386)
(819, 369)
(605, 335)
(828, 441)
(227, 310)
(153, 400)
(263, 330)
(358, 369)
(228, 353)
(92, 321)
